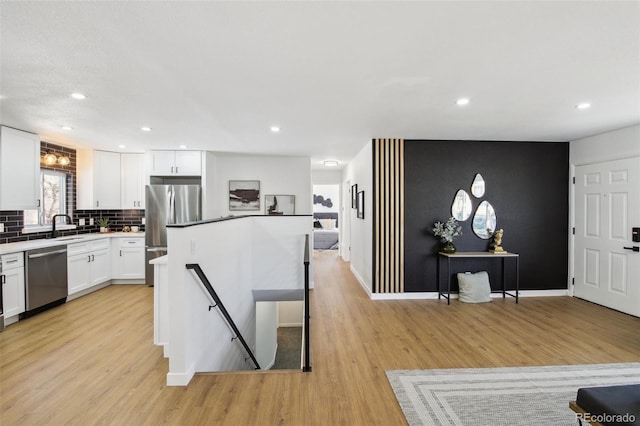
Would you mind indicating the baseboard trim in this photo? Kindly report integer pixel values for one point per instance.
(181, 379)
(434, 295)
(360, 280)
(88, 290)
(290, 324)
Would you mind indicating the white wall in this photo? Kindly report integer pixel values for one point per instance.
(614, 145)
(266, 333)
(331, 192)
(326, 177)
(290, 313)
(360, 172)
(278, 175)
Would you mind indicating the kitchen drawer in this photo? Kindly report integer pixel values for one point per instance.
(78, 248)
(13, 260)
(102, 243)
(131, 242)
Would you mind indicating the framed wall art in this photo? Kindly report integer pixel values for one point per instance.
(280, 204)
(354, 196)
(361, 204)
(244, 195)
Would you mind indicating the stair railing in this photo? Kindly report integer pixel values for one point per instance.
(307, 339)
(218, 304)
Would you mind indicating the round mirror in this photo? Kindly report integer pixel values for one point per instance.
(461, 207)
(484, 220)
(477, 187)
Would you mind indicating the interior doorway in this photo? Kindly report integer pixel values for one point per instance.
(326, 217)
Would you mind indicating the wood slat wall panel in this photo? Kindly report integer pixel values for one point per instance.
(388, 178)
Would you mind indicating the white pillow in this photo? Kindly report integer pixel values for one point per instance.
(474, 288)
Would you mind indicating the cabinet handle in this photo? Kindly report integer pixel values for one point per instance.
(171, 169)
(38, 202)
(3, 279)
(131, 242)
(89, 258)
(93, 258)
(120, 253)
(176, 169)
(97, 203)
(12, 261)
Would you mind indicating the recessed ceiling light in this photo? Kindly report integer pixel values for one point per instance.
(182, 147)
(78, 96)
(462, 101)
(583, 105)
(275, 129)
(330, 163)
(122, 146)
(67, 128)
(145, 129)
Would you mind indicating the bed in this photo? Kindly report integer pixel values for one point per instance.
(325, 231)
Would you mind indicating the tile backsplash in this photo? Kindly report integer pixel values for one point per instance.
(118, 219)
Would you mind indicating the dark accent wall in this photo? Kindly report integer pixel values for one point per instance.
(14, 219)
(526, 182)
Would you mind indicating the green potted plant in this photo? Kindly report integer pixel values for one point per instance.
(104, 224)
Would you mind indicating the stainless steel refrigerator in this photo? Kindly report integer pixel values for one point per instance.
(165, 205)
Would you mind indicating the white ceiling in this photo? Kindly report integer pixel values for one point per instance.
(332, 75)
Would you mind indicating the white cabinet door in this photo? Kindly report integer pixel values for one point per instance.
(78, 272)
(13, 292)
(188, 163)
(176, 163)
(19, 169)
(100, 266)
(132, 263)
(132, 185)
(98, 179)
(162, 163)
(106, 182)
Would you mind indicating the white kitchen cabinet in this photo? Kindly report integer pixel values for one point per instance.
(98, 179)
(88, 264)
(175, 163)
(132, 181)
(19, 169)
(128, 258)
(12, 278)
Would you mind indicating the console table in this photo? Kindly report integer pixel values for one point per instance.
(475, 255)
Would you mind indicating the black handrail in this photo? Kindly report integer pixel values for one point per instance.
(307, 358)
(205, 281)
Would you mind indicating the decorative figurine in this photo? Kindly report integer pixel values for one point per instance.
(497, 242)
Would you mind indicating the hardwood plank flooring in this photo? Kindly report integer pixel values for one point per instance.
(92, 360)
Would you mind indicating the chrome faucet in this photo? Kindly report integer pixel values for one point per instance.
(53, 223)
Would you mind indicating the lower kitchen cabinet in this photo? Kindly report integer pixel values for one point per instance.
(128, 258)
(88, 264)
(12, 278)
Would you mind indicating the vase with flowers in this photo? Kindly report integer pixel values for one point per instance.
(447, 231)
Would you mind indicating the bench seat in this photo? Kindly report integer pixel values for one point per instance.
(611, 400)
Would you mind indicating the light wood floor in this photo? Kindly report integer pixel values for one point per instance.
(92, 361)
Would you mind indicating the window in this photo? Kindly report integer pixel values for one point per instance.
(53, 199)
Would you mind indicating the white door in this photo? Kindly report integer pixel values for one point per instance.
(345, 222)
(607, 206)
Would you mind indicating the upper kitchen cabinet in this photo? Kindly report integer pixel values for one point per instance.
(132, 175)
(175, 163)
(98, 179)
(19, 169)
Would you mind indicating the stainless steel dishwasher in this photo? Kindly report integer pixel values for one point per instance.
(46, 278)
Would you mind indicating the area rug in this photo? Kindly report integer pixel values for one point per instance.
(501, 396)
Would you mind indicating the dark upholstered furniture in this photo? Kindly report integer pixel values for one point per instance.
(609, 405)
